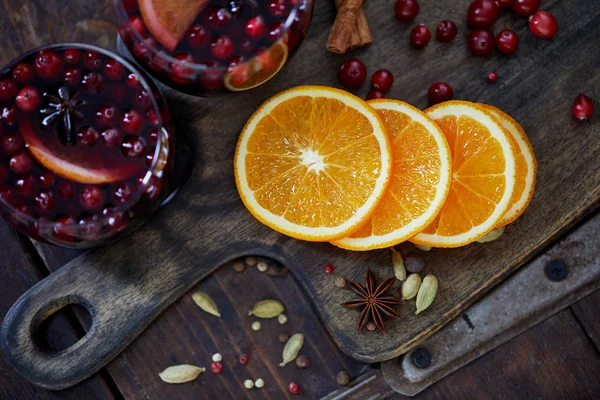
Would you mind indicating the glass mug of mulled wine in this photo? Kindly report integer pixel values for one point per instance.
(205, 46)
(87, 148)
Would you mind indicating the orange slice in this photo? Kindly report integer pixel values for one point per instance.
(257, 71)
(484, 175)
(526, 166)
(313, 162)
(420, 181)
(169, 20)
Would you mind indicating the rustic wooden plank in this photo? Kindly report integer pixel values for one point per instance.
(587, 312)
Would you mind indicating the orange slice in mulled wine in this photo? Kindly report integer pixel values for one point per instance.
(76, 163)
(169, 20)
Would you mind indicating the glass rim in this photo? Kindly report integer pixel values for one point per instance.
(201, 67)
(117, 208)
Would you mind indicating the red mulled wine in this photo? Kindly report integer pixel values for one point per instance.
(86, 145)
(197, 46)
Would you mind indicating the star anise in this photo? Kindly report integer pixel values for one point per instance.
(61, 110)
(373, 301)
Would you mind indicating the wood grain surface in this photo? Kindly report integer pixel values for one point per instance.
(130, 283)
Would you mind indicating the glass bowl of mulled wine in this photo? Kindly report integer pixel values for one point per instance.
(86, 145)
(206, 46)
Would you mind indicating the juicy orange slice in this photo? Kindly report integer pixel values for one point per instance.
(420, 181)
(526, 166)
(484, 175)
(313, 162)
(169, 20)
(257, 71)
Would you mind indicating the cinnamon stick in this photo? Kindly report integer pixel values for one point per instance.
(345, 21)
(361, 34)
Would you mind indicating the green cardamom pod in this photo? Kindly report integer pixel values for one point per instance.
(181, 373)
(410, 288)
(427, 293)
(422, 247)
(292, 348)
(493, 235)
(204, 301)
(398, 263)
(267, 309)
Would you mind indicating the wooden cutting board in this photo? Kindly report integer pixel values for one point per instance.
(126, 285)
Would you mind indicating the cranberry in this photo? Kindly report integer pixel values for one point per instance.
(294, 388)
(118, 94)
(106, 114)
(111, 138)
(21, 163)
(93, 82)
(182, 73)
(275, 30)
(406, 10)
(89, 225)
(151, 116)
(439, 92)
(132, 80)
(92, 197)
(154, 136)
(133, 147)
(221, 47)
(137, 24)
(543, 24)
(132, 121)
(243, 359)
(8, 89)
(492, 77)
(3, 174)
(66, 189)
(154, 187)
(255, 27)
(87, 136)
(12, 143)
(7, 194)
(149, 159)
(382, 80)
(72, 76)
(481, 42)
(72, 56)
(65, 229)
(45, 201)
(218, 18)
(198, 36)
(328, 269)
(375, 94)
(92, 60)
(9, 115)
(483, 13)
(352, 73)
(216, 367)
(116, 220)
(506, 3)
(277, 8)
(48, 64)
(26, 185)
(525, 7)
(113, 69)
(419, 36)
(507, 41)
(130, 6)
(123, 192)
(143, 99)
(212, 77)
(246, 46)
(446, 31)
(583, 108)
(47, 179)
(28, 99)
(24, 209)
(23, 73)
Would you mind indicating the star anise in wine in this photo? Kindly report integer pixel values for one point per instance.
(61, 111)
(373, 300)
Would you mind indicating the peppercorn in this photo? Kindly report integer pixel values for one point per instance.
(256, 326)
(340, 282)
(343, 378)
(371, 326)
(284, 337)
(302, 361)
(239, 266)
(414, 264)
(251, 261)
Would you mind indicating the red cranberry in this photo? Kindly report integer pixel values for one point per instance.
(543, 25)
(65, 229)
(7, 194)
(419, 36)
(23, 73)
(137, 24)
(507, 41)
(198, 36)
(221, 47)
(45, 201)
(294, 388)
(93, 82)
(3, 174)
(72, 56)
(439, 92)
(111, 138)
(21, 163)
(28, 99)
(212, 77)
(132, 121)
(9, 115)
(132, 80)
(113, 69)
(506, 3)
(89, 225)
(243, 359)
(8, 89)
(116, 220)
(246, 46)
(149, 159)
(483, 13)
(92, 60)
(48, 65)
(106, 114)
(182, 73)
(406, 10)
(446, 31)
(218, 18)
(118, 94)
(525, 7)
(26, 185)
(583, 108)
(123, 192)
(382, 80)
(275, 30)
(154, 136)
(12, 143)
(255, 27)
(277, 8)
(143, 99)
(87, 136)
(66, 190)
(328, 269)
(352, 73)
(131, 6)
(151, 116)
(492, 77)
(47, 179)
(153, 188)
(375, 94)
(216, 367)
(133, 146)
(72, 76)
(481, 42)
(92, 197)
(24, 209)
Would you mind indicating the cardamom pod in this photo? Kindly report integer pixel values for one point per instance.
(204, 301)
(267, 309)
(292, 348)
(410, 288)
(181, 373)
(427, 293)
(398, 263)
(422, 247)
(493, 235)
